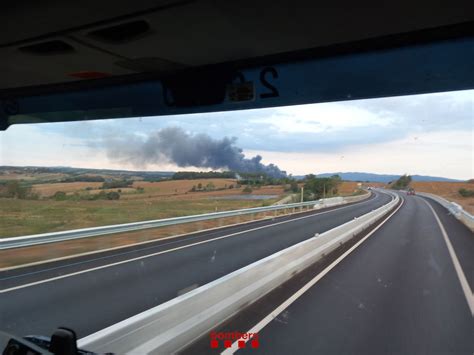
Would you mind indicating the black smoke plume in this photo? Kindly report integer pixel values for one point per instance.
(173, 144)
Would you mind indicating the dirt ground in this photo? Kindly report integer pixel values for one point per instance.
(448, 190)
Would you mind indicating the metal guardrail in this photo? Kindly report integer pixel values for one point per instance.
(167, 328)
(455, 209)
(36, 239)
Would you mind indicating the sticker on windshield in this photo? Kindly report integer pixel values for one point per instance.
(238, 92)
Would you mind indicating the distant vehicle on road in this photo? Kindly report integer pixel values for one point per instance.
(411, 191)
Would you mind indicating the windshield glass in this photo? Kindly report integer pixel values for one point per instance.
(119, 216)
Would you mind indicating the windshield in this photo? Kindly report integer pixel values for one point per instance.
(103, 220)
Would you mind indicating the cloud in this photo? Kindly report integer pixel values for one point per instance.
(447, 154)
(315, 127)
(320, 130)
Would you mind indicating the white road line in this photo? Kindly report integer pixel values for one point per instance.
(177, 236)
(188, 235)
(167, 251)
(265, 321)
(457, 266)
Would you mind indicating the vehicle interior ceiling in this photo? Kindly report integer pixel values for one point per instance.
(52, 47)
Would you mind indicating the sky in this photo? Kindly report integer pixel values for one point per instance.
(429, 134)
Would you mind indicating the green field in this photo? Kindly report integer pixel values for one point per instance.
(24, 217)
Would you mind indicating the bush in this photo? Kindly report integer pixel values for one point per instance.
(113, 195)
(210, 187)
(247, 189)
(117, 184)
(60, 196)
(15, 189)
(33, 196)
(466, 193)
(100, 196)
(84, 178)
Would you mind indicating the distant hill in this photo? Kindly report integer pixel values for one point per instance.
(69, 172)
(357, 176)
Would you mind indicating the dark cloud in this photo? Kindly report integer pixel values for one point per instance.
(173, 144)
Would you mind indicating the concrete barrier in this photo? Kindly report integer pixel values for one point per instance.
(455, 209)
(173, 325)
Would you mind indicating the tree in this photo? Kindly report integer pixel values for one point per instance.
(294, 187)
(321, 187)
(402, 183)
(16, 190)
(336, 181)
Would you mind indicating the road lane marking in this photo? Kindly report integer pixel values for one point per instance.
(168, 250)
(457, 266)
(276, 312)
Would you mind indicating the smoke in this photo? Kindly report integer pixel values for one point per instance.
(173, 144)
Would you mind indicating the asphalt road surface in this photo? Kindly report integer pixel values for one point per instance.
(90, 293)
(398, 292)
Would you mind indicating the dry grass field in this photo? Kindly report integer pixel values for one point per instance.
(168, 198)
(448, 190)
(31, 177)
(167, 188)
(348, 188)
(47, 190)
(142, 201)
(37, 253)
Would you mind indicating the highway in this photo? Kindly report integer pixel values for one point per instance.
(92, 292)
(398, 292)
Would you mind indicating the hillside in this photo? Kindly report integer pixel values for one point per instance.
(60, 173)
(385, 178)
